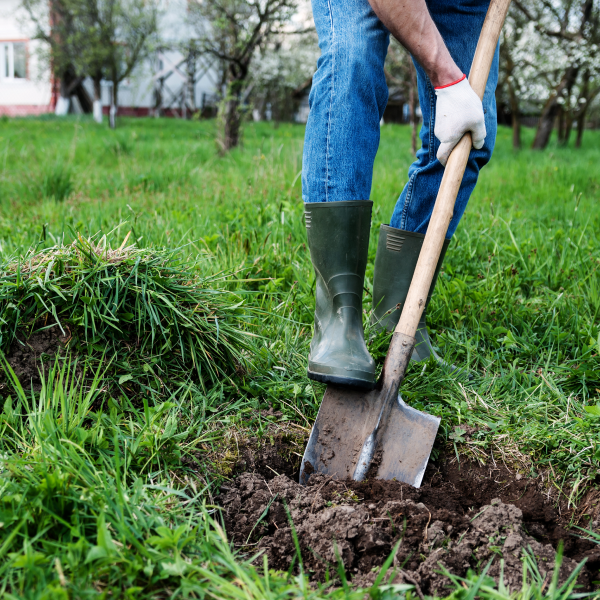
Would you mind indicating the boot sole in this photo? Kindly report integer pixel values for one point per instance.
(358, 384)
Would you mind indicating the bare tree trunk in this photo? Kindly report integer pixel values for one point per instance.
(412, 107)
(190, 81)
(560, 126)
(63, 104)
(97, 110)
(231, 123)
(72, 85)
(581, 114)
(97, 87)
(545, 125)
(516, 130)
(514, 112)
(158, 95)
(580, 128)
(157, 88)
(513, 97)
(275, 111)
(230, 112)
(551, 109)
(86, 103)
(112, 114)
(566, 117)
(568, 127)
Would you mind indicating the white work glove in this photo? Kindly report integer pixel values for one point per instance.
(458, 109)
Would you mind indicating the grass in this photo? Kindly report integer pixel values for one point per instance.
(141, 309)
(105, 483)
(57, 183)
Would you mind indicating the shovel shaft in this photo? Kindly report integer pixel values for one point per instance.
(453, 174)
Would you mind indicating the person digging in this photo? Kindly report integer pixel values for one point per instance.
(347, 100)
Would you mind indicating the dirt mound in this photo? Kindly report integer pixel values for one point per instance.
(460, 518)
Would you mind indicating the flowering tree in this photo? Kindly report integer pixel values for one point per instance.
(554, 62)
(280, 69)
(511, 90)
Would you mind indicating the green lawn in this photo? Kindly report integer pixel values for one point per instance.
(97, 495)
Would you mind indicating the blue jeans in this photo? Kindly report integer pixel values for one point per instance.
(348, 97)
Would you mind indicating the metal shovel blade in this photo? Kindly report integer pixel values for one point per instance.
(345, 420)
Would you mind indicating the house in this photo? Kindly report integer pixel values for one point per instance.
(168, 83)
(25, 82)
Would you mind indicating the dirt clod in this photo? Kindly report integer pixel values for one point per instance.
(459, 519)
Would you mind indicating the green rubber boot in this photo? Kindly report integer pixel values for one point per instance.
(395, 263)
(338, 238)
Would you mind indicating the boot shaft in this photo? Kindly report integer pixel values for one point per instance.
(338, 239)
(395, 263)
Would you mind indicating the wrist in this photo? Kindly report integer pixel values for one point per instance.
(446, 77)
(447, 85)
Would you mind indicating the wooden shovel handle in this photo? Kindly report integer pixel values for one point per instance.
(455, 169)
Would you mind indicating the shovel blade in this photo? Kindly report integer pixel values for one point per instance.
(345, 420)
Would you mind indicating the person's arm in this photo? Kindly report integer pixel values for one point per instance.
(410, 23)
(458, 108)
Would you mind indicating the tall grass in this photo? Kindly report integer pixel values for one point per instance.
(57, 183)
(517, 306)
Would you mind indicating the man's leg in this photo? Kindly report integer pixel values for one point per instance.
(347, 100)
(459, 23)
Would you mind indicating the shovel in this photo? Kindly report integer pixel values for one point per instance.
(376, 434)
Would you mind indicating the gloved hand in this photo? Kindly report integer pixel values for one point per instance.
(458, 109)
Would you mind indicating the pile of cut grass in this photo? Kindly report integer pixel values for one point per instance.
(151, 315)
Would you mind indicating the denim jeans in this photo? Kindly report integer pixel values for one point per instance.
(348, 97)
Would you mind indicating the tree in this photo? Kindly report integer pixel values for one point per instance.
(129, 28)
(590, 89)
(510, 88)
(59, 24)
(232, 31)
(281, 67)
(102, 39)
(563, 38)
(400, 71)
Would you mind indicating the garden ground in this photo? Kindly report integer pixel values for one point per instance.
(169, 294)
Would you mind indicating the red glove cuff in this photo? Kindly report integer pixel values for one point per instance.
(441, 87)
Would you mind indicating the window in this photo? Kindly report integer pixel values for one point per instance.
(13, 60)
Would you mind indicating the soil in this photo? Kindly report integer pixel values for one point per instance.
(280, 454)
(28, 356)
(463, 516)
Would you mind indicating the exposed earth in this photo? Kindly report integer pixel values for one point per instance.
(29, 356)
(462, 517)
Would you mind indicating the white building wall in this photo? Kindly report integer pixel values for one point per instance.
(21, 95)
(33, 94)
